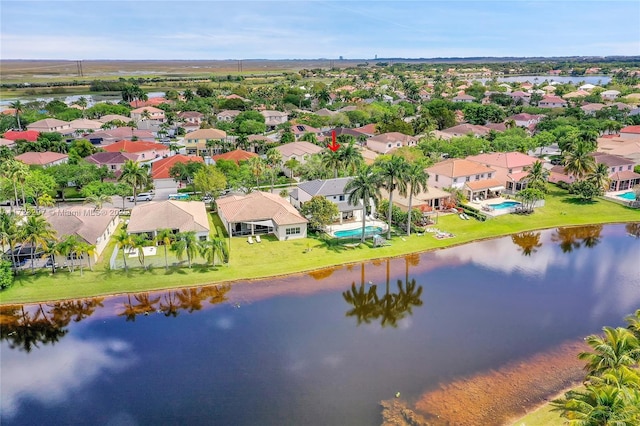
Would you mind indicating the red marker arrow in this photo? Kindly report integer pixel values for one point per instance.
(334, 146)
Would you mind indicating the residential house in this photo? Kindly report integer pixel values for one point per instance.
(192, 117)
(298, 151)
(475, 180)
(151, 102)
(144, 151)
(114, 117)
(51, 125)
(114, 161)
(528, 121)
(587, 87)
(44, 159)
(368, 129)
(465, 129)
(624, 147)
(509, 168)
(521, 96)
(7, 142)
(557, 175)
(629, 132)
(91, 226)
(463, 97)
(274, 118)
(324, 112)
(432, 199)
(331, 189)
(178, 216)
(386, 142)
(147, 113)
(160, 169)
(610, 95)
(82, 125)
(621, 171)
(17, 135)
(261, 213)
(228, 115)
(356, 134)
(576, 94)
(237, 156)
(195, 142)
(299, 130)
(591, 109)
(552, 102)
(108, 137)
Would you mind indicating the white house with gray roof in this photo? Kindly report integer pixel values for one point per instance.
(333, 190)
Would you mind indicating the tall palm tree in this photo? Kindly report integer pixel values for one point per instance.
(210, 248)
(18, 107)
(9, 232)
(98, 200)
(139, 242)
(18, 172)
(82, 103)
(332, 160)
(134, 175)
(600, 176)
(598, 406)
(393, 172)
(186, 243)
(89, 250)
(350, 157)
(123, 241)
(417, 179)
(274, 160)
(578, 161)
(537, 176)
(165, 237)
(256, 165)
(36, 231)
(364, 187)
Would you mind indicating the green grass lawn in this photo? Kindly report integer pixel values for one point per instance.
(272, 257)
(543, 416)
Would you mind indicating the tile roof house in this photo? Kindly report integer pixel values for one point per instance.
(629, 132)
(526, 120)
(590, 109)
(44, 159)
(610, 95)
(261, 213)
(324, 112)
(299, 130)
(193, 117)
(426, 201)
(113, 161)
(144, 151)
(147, 113)
(151, 102)
(27, 135)
(465, 129)
(463, 97)
(237, 155)
(197, 141)
(299, 151)
(160, 170)
(228, 115)
(114, 117)
(333, 190)
(628, 147)
(82, 125)
(274, 118)
(179, 216)
(552, 102)
(91, 226)
(473, 178)
(621, 171)
(107, 137)
(386, 142)
(509, 168)
(51, 125)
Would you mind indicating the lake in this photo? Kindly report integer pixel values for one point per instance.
(598, 80)
(325, 348)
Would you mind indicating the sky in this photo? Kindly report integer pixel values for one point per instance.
(269, 29)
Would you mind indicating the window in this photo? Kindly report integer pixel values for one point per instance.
(293, 231)
(620, 168)
(510, 171)
(455, 180)
(489, 175)
(477, 177)
(629, 167)
(341, 198)
(467, 179)
(613, 169)
(202, 238)
(436, 178)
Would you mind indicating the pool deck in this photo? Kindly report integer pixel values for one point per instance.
(614, 196)
(356, 224)
(484, 206)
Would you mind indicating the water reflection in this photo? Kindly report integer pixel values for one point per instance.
(633, 229)
(572, 238)
(529, 242)
(392, 307)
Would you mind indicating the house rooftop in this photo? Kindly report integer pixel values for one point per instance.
(29, 135)
(160, 169)
(458, 167)
(298, 148)
(325, 187)
(82, 221)
(506, 160)
(137, 146)
(40, 158)
(169, 214)
(257, 206)
(206, 134)
(237, 155)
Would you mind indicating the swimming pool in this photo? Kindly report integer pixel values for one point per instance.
(504, 205)
(628, 195)
(356, 232)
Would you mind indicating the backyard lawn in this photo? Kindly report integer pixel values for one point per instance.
(272, 257)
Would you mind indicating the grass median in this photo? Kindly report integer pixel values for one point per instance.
(273, 258)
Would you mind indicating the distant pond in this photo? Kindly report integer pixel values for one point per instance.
(326, 348)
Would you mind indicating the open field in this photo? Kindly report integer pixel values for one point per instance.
(275, 258)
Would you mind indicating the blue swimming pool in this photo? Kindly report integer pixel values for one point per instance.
(356, 232)
(628, 195)
(504, 205)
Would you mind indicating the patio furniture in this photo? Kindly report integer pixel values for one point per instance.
(250, 239)
(258, 240)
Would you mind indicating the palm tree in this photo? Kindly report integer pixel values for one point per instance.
(600, 177)
(332, 160)
(123, 241)
(393, 172)
(256, 165)
(274, 159)
(598, 405)
(36, 231)
(210, 248)
(165, 237)
(98, 200)
(350, 158)
(578, 161)
(186, 243)
(9, 232)
(619, 348)
(18, 172)
(135, 176)
(139, 242)
(90, 251)
(18, 107)
(82, 103)
(364, 187)
(417, 179)
(537, 176)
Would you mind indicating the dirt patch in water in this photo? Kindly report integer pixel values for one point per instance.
(495, 397)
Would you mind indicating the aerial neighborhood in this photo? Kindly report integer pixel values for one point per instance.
(353, 154)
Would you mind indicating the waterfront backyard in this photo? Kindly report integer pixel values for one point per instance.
(275, 258)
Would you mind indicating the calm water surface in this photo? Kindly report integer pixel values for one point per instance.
(314, 349)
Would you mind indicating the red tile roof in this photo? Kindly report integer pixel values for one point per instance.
(30, 135)
(236, 155)
(40, 158)
(160, 169)
(628, 129)
(137, 146)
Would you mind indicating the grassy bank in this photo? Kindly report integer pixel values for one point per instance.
(273, 258)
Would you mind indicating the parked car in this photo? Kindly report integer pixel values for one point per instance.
(143, 196)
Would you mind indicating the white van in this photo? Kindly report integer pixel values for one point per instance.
(143, 196)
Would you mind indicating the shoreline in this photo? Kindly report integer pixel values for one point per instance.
(447, 243)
